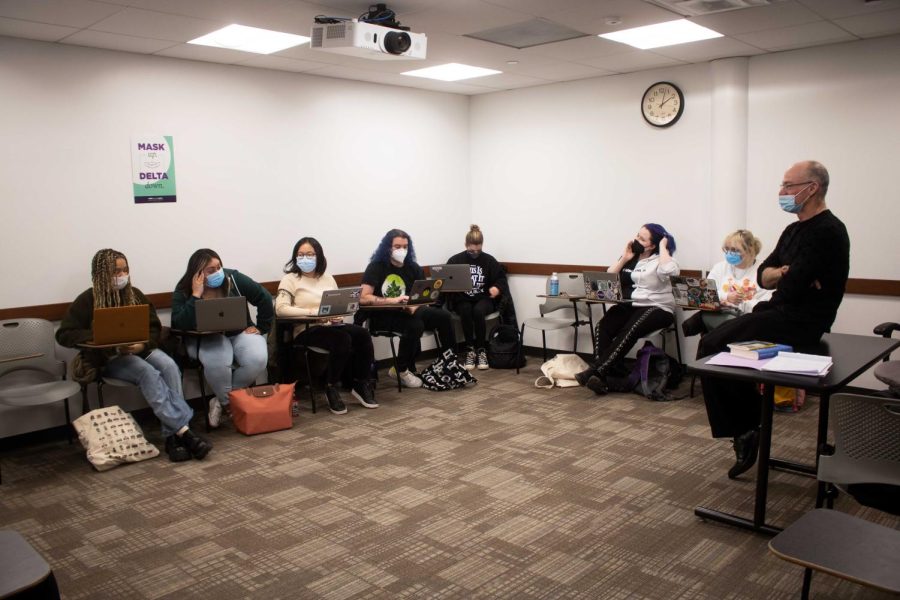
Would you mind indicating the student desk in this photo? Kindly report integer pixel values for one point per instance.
(851, 354)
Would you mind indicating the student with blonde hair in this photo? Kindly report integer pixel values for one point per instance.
(488, 285)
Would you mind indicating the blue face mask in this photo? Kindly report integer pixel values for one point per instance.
(307, 264)
(789, 204)
(216, 279)
(733, 258)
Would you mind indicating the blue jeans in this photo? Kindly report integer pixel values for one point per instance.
(219, 352)
(159, 380)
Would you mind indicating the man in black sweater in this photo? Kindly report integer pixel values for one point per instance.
(808, 270)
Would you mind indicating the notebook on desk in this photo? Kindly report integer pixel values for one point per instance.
(696, 292)
(342, 301)
(221, 314)
(457, 278)
(600, 285)
(121, 325)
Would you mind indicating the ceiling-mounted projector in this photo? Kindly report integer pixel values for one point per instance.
(365, 40)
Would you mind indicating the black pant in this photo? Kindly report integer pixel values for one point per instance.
(620, 328)
(411, 326)
(472, 312)
(346, 344)
(734, 407)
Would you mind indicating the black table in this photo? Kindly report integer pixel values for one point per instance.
(852, 355)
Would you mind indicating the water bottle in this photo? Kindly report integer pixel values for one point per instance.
(554, 285)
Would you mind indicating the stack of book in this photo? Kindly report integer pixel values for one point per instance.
(756, 350)
(800, 364)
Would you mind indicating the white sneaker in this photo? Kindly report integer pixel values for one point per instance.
(407, 378)
(470, 360)
(482, 360)
(215, 413)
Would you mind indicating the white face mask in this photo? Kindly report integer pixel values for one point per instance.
(121, 281)
(398, 254)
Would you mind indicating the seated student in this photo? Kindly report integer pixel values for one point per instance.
(391, 272)
(647, 262)
(144, 365)
(299, 295)
(205, 278)
(736, 278)
(488, 283)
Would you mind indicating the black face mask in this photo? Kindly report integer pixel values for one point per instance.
(637, 248)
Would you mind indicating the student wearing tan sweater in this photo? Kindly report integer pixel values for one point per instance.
(349, 346)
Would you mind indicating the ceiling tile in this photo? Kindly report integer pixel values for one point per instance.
(34, 31)
(579, 50)
(631, 61)
(114, 41)
(542, 8)
(146, 23)
(204, 53)
(883, 23)
(592, 17)
(70, 13)
(774, 16)
(800, 36)
(402, 80)
(229, 11)
(280, 63)
(835, 9)
(507, 81)
(558, 71)
(708, 50)
(464, 16)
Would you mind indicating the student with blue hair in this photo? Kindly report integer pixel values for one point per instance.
(646, 263)
(386, 281)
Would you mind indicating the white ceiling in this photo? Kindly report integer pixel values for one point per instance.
(162, 27)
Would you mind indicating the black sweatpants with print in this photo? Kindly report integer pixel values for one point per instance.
(620, 328)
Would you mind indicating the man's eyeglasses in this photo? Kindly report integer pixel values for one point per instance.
(786, 184)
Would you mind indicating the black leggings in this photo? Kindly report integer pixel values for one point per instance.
(411, 327)
(472, 312)
(620, 328)
(346, 344)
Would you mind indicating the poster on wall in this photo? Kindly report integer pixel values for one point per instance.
(153, 169)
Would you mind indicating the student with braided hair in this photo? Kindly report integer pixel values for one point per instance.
(142, 364)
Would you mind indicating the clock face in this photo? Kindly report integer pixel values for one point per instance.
(662, 104)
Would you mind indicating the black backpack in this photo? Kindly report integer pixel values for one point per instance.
(652, 374)
(503, 348)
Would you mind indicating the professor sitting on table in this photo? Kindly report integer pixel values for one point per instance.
(808, 272)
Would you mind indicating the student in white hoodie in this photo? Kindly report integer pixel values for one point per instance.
(648, 264)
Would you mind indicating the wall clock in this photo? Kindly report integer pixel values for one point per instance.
(662, 104)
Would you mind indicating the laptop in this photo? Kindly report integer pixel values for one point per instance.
(425, 291)
(696, 292)
(342, 301)
(221, 314)
(457, 278)
(599, 285)
(121, 325)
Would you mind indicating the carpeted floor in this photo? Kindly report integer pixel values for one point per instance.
(498, 491)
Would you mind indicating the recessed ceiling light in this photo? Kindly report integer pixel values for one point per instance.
(451, 72)
(670, 33)
(250, 39)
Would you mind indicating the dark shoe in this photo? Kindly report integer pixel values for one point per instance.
(176, 450)
(335, 404)
(363, 393)
(746, 448)
(596, 385)
(198, 447)
(583, 376)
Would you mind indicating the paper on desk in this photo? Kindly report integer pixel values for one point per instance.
(727, 359)
(799, 364)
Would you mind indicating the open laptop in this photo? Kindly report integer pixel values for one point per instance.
(696, 292)
(457, 278)
(425, 291)
(342, 301)
(121, 325)
(600, 285)
(221, 314)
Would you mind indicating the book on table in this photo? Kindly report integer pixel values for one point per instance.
(756, 350)
(793, 363)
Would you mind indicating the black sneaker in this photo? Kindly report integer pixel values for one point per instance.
(198, 447)
(362, 391)
(176, 450)
(746, 448)
(582, 376)
(335, 404)
(596, 385)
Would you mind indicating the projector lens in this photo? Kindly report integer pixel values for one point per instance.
(397, 42)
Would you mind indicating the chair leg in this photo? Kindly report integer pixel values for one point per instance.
(807, 581)
(85, 407)
(312, 394)
(100, 394)
(678, 343)
(396, 366)
(68, 420)
(544, 342)
(575, 343)
(693, 381)
(521, 348)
